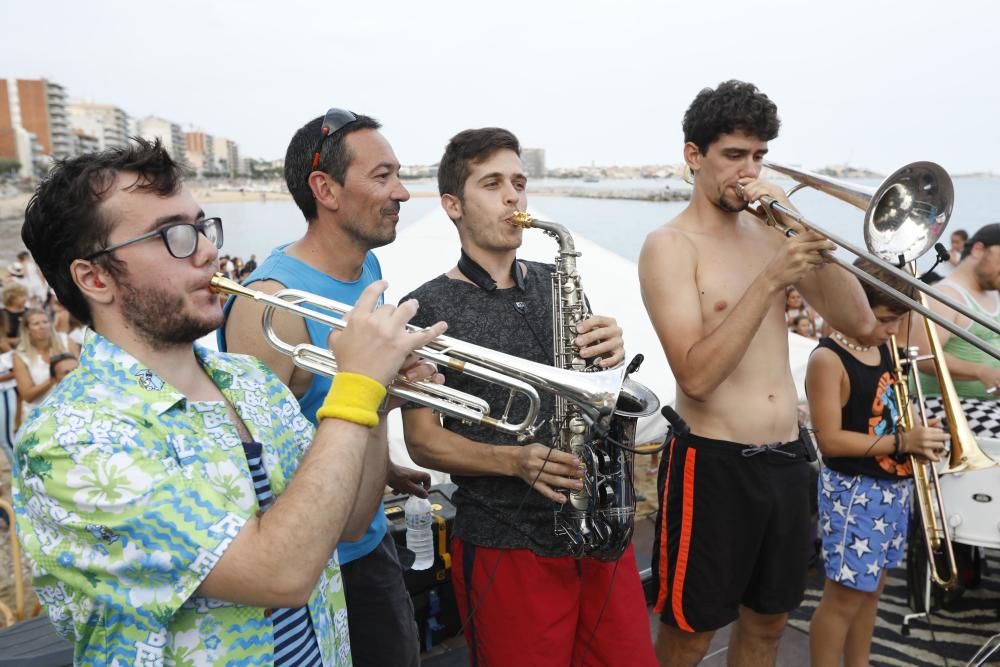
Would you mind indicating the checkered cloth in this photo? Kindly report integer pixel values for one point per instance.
(983, 415)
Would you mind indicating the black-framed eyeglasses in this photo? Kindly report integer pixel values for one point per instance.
(181, 238)
(333, 122)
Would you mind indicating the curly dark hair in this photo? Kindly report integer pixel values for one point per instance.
(334, 158)
(878, 297)
(734, 105)
(63, 220)
(467, 148)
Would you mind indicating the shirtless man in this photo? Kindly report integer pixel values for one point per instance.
(733, 523)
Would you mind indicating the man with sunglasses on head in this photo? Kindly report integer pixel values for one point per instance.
(174, 503)
(344, 177)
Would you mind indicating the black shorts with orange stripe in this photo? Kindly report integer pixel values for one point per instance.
(733, 528)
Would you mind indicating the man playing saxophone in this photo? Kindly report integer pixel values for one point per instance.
(733, 522)
(525, 600)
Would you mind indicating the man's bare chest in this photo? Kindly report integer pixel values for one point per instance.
(724, 274)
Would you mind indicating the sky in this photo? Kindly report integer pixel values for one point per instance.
(872, 83)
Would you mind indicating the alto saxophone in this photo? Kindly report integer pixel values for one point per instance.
(599, 518)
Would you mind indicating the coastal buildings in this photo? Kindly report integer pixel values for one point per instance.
(227, 157)
(38, 124)
(533, 160)
(81, 142)
(168, 132)
(418, 171)
(106, 122)
(200, 149)
(34, 124)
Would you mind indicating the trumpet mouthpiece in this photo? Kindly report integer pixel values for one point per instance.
(224, 285)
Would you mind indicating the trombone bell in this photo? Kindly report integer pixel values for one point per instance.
(904, 216)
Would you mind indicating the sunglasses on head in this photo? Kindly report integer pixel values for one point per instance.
(333, 122)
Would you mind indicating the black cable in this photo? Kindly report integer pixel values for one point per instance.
(522, 310)
(605, 434)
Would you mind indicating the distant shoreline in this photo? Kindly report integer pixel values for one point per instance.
(12, 206)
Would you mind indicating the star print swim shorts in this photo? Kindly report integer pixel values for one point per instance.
(863, 523)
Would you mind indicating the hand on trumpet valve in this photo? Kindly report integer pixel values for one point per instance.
(376, 341)
(414, 369)
(924, 442)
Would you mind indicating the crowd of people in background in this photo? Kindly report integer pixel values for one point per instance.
(39, 345)
(799, 317)
(235, 268)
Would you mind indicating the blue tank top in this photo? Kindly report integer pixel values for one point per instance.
(296, 274)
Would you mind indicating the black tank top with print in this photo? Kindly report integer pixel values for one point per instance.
(871, 408)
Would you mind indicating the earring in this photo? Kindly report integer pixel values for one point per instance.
(688, 175)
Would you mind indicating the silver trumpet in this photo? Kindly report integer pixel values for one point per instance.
(598, 394)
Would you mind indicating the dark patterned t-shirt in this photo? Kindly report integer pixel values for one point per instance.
(520, 323)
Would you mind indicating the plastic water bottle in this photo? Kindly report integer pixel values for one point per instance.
(419, 538)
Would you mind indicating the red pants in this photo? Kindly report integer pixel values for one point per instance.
(554, 612)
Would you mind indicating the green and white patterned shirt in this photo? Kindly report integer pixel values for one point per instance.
(127, 494)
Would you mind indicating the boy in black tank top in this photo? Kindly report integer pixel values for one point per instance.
(864, 488)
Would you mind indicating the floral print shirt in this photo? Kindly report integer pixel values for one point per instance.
(127, 494)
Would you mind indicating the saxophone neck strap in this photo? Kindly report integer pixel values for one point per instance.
(471, 269)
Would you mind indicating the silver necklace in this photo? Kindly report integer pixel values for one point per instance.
(849, 345)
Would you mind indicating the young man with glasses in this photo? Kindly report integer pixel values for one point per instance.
(174, 503)
(344, 177)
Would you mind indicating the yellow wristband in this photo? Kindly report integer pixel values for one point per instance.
(354, 398)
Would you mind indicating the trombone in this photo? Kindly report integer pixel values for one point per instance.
(926, 482)
(904, 217)
(598, 394)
